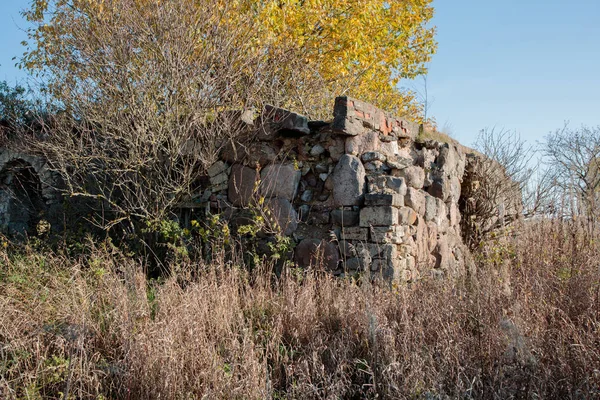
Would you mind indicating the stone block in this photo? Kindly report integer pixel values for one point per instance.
(260, 153)
(348, 181)
(369, 248)
(442, 213)
(387, 235)
(439, 188)
(355, 233)
(275, 120)
(411, 262)
(448, 158)
(376, 184)
(412, 229)
(386, 262)
(399, 162)
(389, 149)
(219, 179)
(317, 150)
(217, 168)
(427, 158)
(307, 196)
(357, 145)
(430, 176)
(346, 120)
(280, 180)
(353, 264)
(431, 210)
(446, 188)
(378, 265)
(373, 156)
(303, 211)
(407, 216)
(377, 167)
(454, 215)
(345, 217)
(318, 216)
(334, 144)
(220, 187)
(322, 167)
(364, 255)
(283, 218)
(242, 185)
(378, 216)
(397, 184)
(384, 199)
(360, 259)
(324, 198)
(405, 250)
(415, 199)
(455, 189)
(414, 175)
(431, 236)
(386, 183)
(443, 255)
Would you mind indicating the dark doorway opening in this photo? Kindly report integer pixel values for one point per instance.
(21, 201)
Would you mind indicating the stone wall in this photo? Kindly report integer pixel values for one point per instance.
(360, 192)
(28, 193)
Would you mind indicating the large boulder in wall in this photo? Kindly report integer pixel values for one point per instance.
(282, 216)
(280, 180)
(242, 184)
(349, 181)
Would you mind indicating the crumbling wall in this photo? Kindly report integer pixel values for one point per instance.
(359, 192)
(28, 193)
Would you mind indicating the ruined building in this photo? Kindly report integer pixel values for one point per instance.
(364, 191)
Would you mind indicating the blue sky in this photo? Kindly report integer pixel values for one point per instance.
(527, 65)
(12, 33)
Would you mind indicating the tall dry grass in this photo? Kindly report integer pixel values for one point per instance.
(95, 327)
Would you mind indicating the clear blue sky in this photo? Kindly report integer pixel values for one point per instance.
(12, 27)
(527, 65)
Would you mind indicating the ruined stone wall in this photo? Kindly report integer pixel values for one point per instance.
(361, 192)
(28, 193)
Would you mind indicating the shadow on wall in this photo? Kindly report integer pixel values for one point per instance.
(21, 201)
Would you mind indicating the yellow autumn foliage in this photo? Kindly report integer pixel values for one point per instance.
(360, 48)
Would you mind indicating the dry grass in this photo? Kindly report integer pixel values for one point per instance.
(429, 133)
(95, 327)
